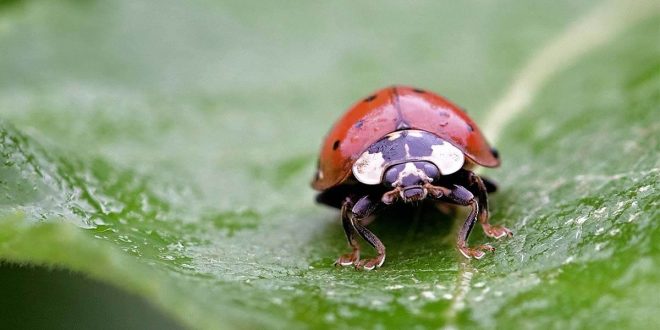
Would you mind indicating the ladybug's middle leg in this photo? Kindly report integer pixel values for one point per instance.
(477, 186)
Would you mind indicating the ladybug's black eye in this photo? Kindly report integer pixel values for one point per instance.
(431, 170)
(391, 175)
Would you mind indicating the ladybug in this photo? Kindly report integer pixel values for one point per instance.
(404, 145)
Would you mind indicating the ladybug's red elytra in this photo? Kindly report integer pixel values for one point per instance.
(406, 145)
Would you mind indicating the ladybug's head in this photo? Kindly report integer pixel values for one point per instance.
(406, 162)
(410, 178)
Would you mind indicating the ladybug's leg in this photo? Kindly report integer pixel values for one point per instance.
(347, 223)
(479, 188)
(362, 209)
(461, 196)
(369, 264)
(352, 215)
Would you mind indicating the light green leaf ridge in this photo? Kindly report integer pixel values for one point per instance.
(597, 28)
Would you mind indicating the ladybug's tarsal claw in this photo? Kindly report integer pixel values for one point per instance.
(348, 259)
(477, 252)
(370, 264)
(497, 231)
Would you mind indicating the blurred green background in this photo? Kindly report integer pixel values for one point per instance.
(156, 158)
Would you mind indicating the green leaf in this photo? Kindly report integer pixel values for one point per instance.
(166, 148)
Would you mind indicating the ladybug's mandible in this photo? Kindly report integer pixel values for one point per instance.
(403, 144)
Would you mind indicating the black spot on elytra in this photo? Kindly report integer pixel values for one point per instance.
(470, 128)
(420, 91)
(370, 98)
(444, 118)
(335, 145)
(359, 123)
(495, 153)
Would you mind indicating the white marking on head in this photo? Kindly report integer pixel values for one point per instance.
(410, 169)
(320, 174)
(447, 158)
(369, 168)
(407, 147)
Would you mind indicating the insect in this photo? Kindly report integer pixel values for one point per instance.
(404, 145)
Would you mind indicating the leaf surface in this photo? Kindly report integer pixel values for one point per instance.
(167, 148)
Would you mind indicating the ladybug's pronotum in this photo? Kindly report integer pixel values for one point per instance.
(403, 145)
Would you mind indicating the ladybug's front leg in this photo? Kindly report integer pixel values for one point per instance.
(353, 257)
(461, 196)
(352, 215)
